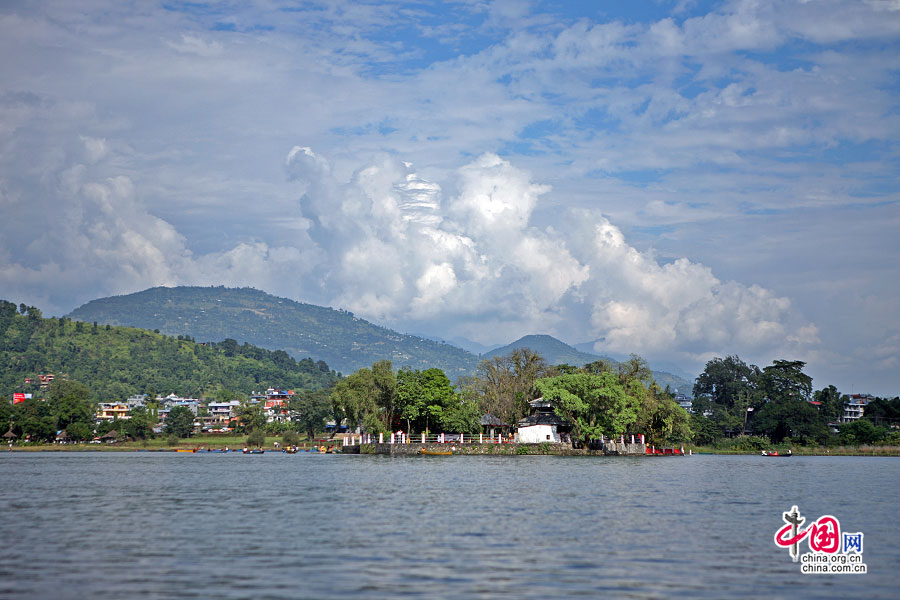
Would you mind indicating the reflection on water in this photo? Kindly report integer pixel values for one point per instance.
(100, 525)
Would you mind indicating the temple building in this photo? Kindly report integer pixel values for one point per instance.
(542, 425)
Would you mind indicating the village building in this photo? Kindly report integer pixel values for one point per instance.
(854, 407)
(275, 403)
(110, 411)
(222, 412)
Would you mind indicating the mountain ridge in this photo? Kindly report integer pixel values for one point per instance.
(344, 341)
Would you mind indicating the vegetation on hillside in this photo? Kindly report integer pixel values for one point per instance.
(117, 362)
(345, 342)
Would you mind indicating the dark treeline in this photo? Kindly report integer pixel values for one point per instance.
(742, 406)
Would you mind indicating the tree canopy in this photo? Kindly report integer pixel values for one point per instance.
(595, 405)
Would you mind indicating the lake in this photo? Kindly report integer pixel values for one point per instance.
(166, 525)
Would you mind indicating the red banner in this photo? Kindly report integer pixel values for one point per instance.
(18, 398)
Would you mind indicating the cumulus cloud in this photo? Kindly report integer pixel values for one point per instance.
(478, 253)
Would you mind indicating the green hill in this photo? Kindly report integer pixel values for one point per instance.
(342, 340)
(117, 362)
(556, 352)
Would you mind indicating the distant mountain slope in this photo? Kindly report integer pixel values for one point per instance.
(553, 350)
(557, 352)
(342, 340)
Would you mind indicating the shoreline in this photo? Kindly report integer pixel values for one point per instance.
(465, 449)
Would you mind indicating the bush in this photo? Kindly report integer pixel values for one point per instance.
(257, 437)
(290, 438)
(745, 443)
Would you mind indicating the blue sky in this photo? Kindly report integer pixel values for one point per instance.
(678, 179)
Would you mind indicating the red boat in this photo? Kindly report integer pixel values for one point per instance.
(776, 453)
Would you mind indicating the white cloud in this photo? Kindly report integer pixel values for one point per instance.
(482, 256)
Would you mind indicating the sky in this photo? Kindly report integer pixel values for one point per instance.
(677, 179)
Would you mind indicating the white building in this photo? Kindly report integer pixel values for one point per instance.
(854, 407)
(222, 412)
(543, 425)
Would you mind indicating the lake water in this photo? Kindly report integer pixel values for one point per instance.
(165, 525)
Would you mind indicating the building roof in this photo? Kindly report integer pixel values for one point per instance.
(542, 418)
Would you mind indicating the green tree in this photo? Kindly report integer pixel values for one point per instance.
(256, 437)
(250, 415)
(180, 422)
(290, 438)
(790, 418)
(705, 431)
(786, 379)
(461, 414)
(881, 411)
(661, 419)
(309, 410)
(70, 402)
(861, 431)
(596, 405)
(831, 403)
(385, 384)
(724, 381)
(139, 426)
(423, 397)
(33, 418)
(355, 398)
(411, 401)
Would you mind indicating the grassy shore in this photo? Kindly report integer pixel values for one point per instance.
(810, 451)
(160, 444)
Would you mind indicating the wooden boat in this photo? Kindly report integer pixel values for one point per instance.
(290, 450)
(424, 452)
(253, 451)
(776, 453)
(185, 450)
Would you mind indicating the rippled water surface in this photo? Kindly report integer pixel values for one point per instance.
(161, 525)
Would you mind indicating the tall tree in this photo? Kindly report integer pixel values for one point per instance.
(785, 379)
(596, 405)
(724, 381)
(385, 391)
(180, 421)
(508, 383)
(309, 410)
(831, 403)
(70, 402)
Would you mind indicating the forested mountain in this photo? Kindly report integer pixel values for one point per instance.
(556, 352)
(342, 340)
(116, 362)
